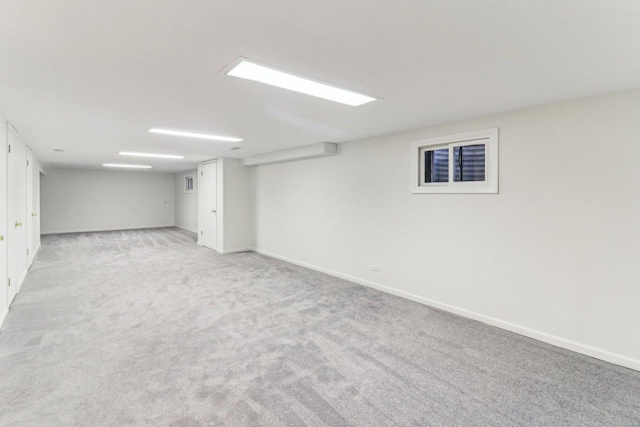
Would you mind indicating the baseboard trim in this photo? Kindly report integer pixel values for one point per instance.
(186, 229)
(22, 279)
(4, 315)
(234, 251)
(587, 350)
(33, 258)
(105, 229)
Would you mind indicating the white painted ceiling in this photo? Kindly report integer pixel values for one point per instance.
(91, 77)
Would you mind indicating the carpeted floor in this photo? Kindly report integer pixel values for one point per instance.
(144, 327)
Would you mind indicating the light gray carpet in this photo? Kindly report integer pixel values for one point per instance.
(145, 327)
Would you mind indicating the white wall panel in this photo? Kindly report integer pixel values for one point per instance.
(92, 200)
(238, 229)
(554, 255)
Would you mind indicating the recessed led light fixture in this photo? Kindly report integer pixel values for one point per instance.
(160, 156)
(246, 69)
(115, 165)
(195, 135)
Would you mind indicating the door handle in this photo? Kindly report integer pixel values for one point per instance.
(18, 224)
(1, 238)
(214, 211)
(34, 214)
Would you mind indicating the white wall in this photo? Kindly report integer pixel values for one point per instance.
(235, 207)
(33, 206)
(92, 200)
(4, 308)
(554, 255)
(186, 204)
(38, 172)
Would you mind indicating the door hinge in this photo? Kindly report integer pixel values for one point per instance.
(201, 233)
(9, 148)
(27, 251)
(201, 173)
(9, 279)
(27, 162)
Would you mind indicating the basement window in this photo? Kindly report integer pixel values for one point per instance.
(462, 163)
(188, 184)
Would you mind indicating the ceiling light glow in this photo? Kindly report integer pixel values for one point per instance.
(116, 165)
(260, 73)
(160, 156)
(195, 135)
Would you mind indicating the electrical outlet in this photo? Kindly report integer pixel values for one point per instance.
(375, 267)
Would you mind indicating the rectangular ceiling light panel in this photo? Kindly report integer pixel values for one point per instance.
(195, 135)
(116, 165)
(160, 156)
(260, 73)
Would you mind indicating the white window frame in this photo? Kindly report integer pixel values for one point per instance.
(186, 189)
(489, 137)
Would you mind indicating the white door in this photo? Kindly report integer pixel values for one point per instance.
(207, 205)
(21, 212)
(4, 238)
(30, 217)
(12, 216)
(36, 209)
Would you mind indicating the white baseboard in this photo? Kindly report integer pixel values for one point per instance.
(105, 229)
(4, 315)
(33, 258)
(588, 350)
(186, 229)
(21, 281)
(233, 251)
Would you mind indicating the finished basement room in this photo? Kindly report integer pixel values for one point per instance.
(305, 213)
